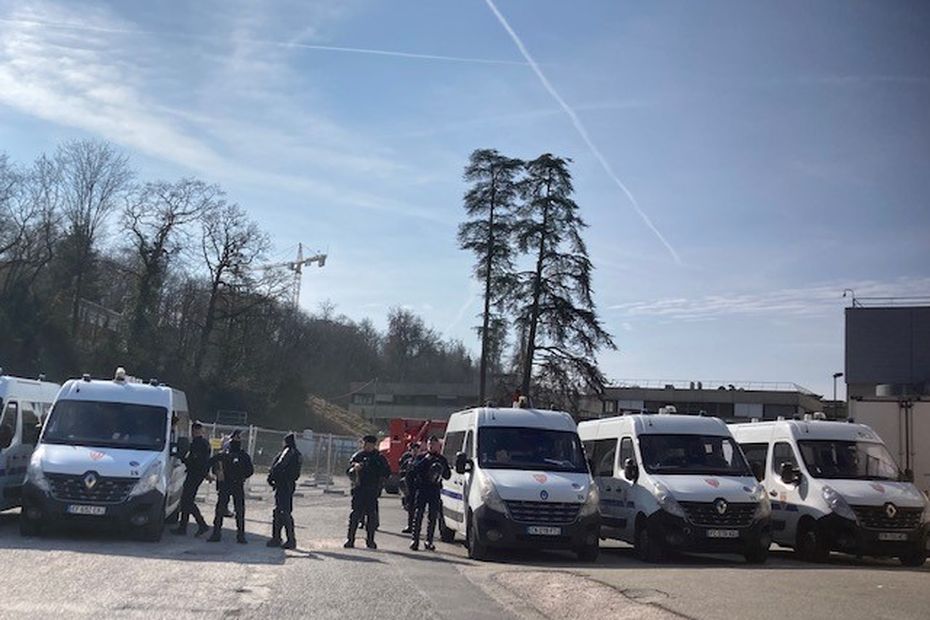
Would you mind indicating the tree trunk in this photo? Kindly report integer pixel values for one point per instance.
(485, 337)
(537, 290)
(207, 325)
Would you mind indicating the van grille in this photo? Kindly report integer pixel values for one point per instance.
(706, 514)
(876, 517)
(70, 488)
(543, 512)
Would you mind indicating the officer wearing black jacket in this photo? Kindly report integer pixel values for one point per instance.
(197, 462)
(283, 479)
(232, 468)
(429, 471)
(367, 471)
(408, 485)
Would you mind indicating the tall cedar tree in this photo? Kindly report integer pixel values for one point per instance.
(490, 203)
(556, 317)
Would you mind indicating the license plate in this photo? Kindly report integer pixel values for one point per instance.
(538, 530)
(723, 533)
(895, 536)
(96, 511)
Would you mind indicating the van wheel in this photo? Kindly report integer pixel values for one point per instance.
(916, 557)
(810, 546)
(477, 550)
(757, 555)
(588, 553)
(28, 527)
(648, 548)
(446, 534)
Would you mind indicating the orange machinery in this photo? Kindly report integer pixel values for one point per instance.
(401, 433)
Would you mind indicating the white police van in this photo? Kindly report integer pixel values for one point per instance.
(519, 479)
(109, 455)
(676, 482)
(834, 486)
(24, 403)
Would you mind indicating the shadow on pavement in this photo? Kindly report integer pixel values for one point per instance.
(82, 539)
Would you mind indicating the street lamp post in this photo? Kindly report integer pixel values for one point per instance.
(836, 376)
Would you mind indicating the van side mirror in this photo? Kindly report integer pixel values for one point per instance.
(462, 463)
(790, 474)
(631, 470)
(907, 475)
(758, 470)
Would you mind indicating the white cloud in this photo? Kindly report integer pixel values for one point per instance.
(819, 300)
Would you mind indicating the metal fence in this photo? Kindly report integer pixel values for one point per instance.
(324, 455)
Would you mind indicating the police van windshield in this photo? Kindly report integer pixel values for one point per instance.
(692, 454)
(848, 460)
(530, 448)
(107, 425)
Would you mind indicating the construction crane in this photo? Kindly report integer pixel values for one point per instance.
(297, 266)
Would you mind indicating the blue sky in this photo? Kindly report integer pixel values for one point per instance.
(780, 150)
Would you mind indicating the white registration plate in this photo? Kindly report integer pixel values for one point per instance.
(892, 536)
(78, 509)
(723, 533)
(539, 530)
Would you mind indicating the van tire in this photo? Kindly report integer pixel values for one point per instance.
(810, 545)
(648, 548)
(588, 553)
(477, 550)
(916, 557)
(29, 528)
(446, 534)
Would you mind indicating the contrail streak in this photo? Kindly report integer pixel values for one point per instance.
(580, 128)
(324, 48)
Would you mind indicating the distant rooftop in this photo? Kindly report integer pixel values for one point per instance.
(890, 302)
(713, 384)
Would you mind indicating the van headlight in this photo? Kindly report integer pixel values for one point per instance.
(838, 503)
(35, 475)
(149, 479)
(590, 505)
(490, 497)
(667, 501)
(763, 503)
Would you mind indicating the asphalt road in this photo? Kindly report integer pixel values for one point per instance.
(84, 574)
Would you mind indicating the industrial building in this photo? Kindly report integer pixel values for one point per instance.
(730, 400)
(378, 401)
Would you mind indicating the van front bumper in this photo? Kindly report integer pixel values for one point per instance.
(134, 513)
(680, 534)
(497, 529)
(848, 536)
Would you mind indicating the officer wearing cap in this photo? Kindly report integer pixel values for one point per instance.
(367, 471)
(232, 468)
(408, 485)
(429, 471)
(197, 462)
(283, 479)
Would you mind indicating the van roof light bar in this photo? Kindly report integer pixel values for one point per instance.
(85, 377)
(120, 375)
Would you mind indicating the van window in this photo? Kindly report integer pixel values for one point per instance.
(107, 424)
(8, 425)
(692, 454)
(543, 449)
(756, 454)
(626, 451)
(468, 445)
(30, 426)
(781, 454)
(604, 452)
(453, 445)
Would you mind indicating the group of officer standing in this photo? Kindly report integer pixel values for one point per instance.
(421, 473)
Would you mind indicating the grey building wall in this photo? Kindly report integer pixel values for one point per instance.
(886, 346)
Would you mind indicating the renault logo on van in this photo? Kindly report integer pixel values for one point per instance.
(721, 506)
(890, 510)
(544, 494)
(90, 480)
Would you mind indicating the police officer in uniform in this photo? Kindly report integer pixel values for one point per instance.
(232, 468)
(408, 485)
(283, 479)
(429, 471)
(367, 471)
(197, 462)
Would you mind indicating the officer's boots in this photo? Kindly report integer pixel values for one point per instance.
(275, 530)
(350, 536)
(370, 537)
(291, 542)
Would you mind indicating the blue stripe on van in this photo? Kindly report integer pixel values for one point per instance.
(452, 494)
